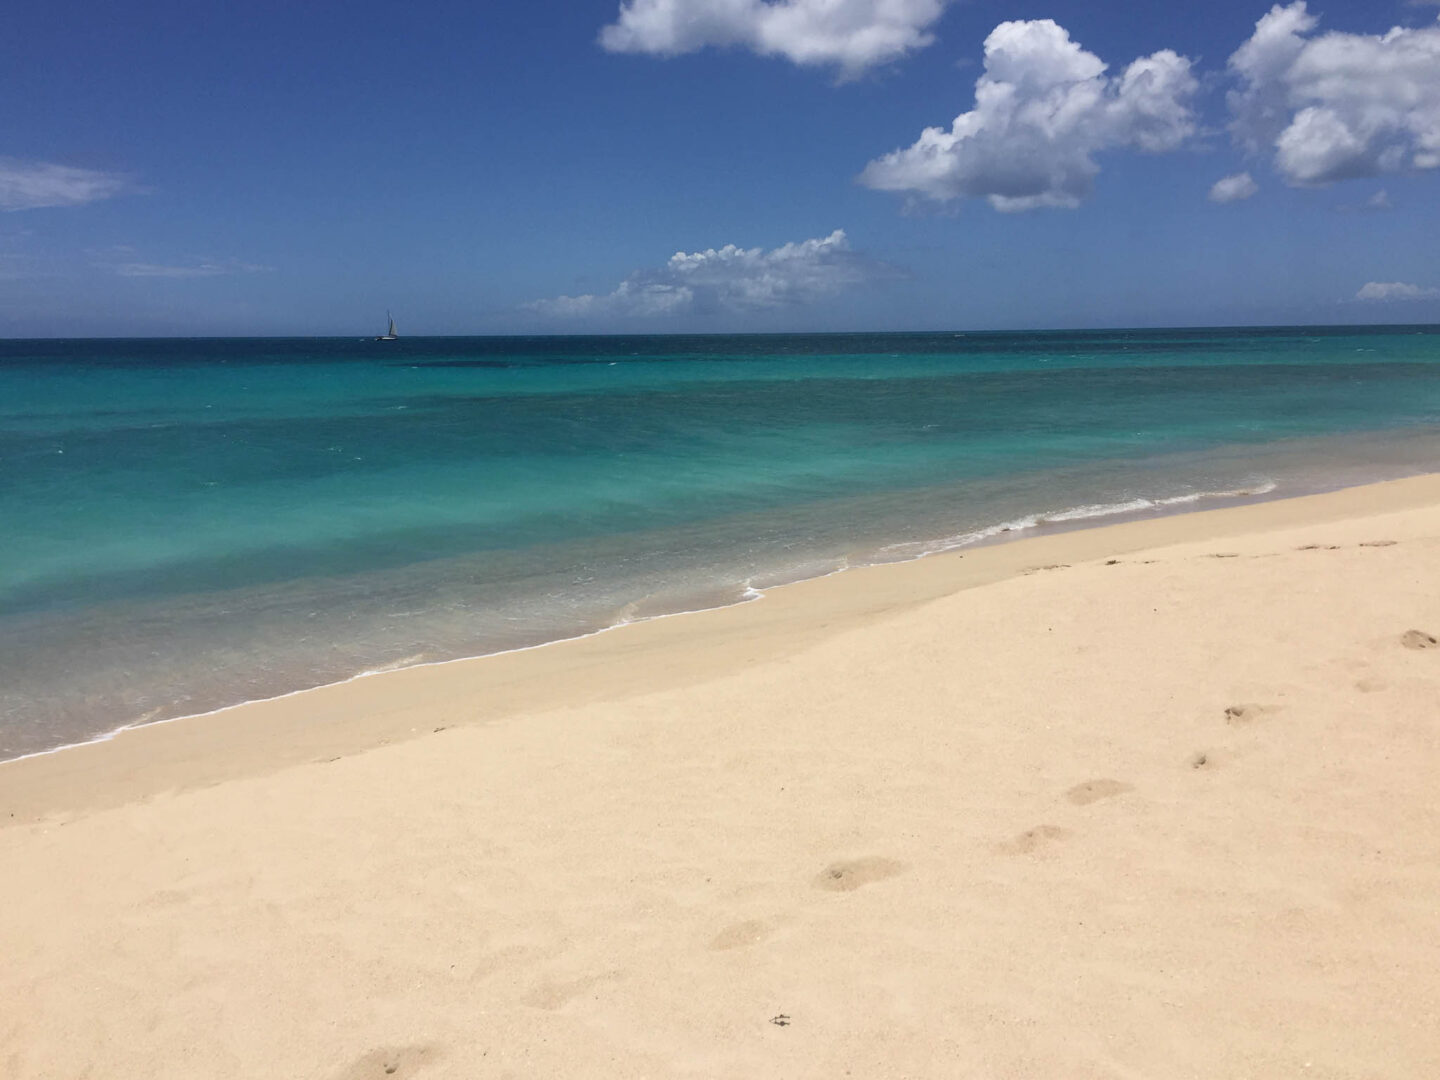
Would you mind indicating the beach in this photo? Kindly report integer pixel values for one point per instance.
(1155, 799)
(210, 522)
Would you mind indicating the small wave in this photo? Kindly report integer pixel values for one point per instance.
(393, 665)
(1073, 513)
(1079, 513)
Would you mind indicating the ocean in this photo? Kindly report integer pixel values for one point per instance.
(189, 524)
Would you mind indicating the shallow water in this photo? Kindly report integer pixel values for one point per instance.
(188, 524)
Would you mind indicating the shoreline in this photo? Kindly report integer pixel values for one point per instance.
(1032, 526)
(1125, 531)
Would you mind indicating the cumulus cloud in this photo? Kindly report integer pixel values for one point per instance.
(730, 278)
(30, 185)
(1043, 108)
(1337, 106)
(1235, 188)
(853, 34)
(1394, 290)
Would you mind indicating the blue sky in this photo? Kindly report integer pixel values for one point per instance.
(195, 169)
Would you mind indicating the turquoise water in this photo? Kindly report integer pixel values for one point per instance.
(192, 523)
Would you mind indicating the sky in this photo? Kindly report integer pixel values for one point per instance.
(655, 166)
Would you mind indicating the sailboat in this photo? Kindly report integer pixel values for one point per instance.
(389, 334)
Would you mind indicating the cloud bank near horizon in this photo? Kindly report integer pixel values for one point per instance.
(727, 279)
(1389, 291)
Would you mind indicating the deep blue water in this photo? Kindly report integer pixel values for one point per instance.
(190, 523)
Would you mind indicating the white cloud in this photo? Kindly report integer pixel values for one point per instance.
(1235, 188)
(115, 260)
(635, 298)
(1043, 108)
(727, 279)
(854, 34)
(1394, 290)
(1377, 203)
(1337, 106)
(138, 269)
(30, 185)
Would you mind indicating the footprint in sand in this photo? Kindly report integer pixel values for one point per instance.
(383, 1061)
(849, 876)
(166, 898)
(1224, 555)
(1032, 840)
(1202, 759)
(551, 995)
(1378, 543)
(1370, 685)
(1319, 547)
(1094, 790)
(1246, 713)
(1418, 639)
(741, 934)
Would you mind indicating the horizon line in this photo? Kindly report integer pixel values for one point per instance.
(734, 333)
